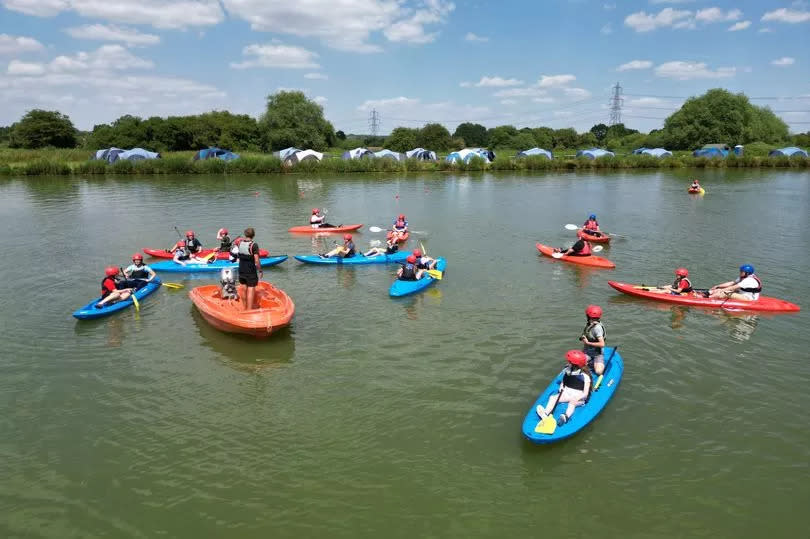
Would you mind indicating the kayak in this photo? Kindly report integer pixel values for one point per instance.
(604, 238)
(306, 229)
(404, 288)
(401, 238)
(357, 259)
(89, 311)
(582, 415)
(171, 266)
(700, 191)
(593, 260)
(764, 303)
(163, 253)
(275, 310)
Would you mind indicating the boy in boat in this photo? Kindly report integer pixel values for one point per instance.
(580, 248)
(224, 241)
(182, 255)
(408, 271)
(695, 186)
(138, 274)
(391, 247)
(681, 285)
(591, 226)
(319, 221)
(574, 388)
(250, 267)
(400, 226)
(113, 289)
(347, 250)
(424, 261)
(593, 338)
(745, 287)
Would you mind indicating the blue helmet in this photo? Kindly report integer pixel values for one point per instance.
(747, 268)
(592, 216)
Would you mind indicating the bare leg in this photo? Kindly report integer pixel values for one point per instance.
(250, 297)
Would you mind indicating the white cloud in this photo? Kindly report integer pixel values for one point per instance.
(102, 32)
(474, 37)
(18, 44)
(635, 64)
(158, 13)
(277, 55)
(555, 81)
(715, 14)
(496, 82)
(787, 15)
(784, 61)
(577, 93)
(521, 92)
(316, 76)
(105, 58)
(387, 103)
(680, 70)
(606, 29)
(319, 99)
(543, 99)
(508, 102)
(642, 22)
(15, 67)
(742, 25)
(764, 31)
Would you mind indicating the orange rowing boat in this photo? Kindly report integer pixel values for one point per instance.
(275, 310)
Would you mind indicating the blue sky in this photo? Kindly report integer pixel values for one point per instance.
(525, 63)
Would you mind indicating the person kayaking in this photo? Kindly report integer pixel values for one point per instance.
(575, 387)
(250, 267)
(682, 284)
(745, 287)
(695, 185)
(408, 271)
(580, 248)
(347, 250)
(593, 338)
(224, 241)
(391, 247)
(591, 226)
(400, 226)
(317, 220)
(424, 261)
(138, 274)
(113, 288)
(192, 243)
(182, 255)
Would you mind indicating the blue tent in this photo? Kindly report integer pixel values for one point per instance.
(218, 153)
(136, 154)
(467, 154)
(710, 153)
(655, 152)
(358, 153)
(738, 149)
(421, 154)
(388, 154)
(108, 154)
(595, 153)
(790, 151)
(535, 151)
(286, 152)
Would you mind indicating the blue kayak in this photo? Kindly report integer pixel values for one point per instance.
(171, 266)
(403, 288)
(582, 414)
(357, 259)
(89, 311)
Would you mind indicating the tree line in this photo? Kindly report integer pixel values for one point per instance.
(291, 119)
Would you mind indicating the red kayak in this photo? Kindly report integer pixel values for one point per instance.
(764, 303)
(162, 253)
(275, 310)
(592, 260)
(307, 229)
(401, 238)
(604, 238)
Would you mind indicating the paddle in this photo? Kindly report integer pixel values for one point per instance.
(173, 286)
(131, 293)
(607, 364)
(547, 423)
(209, 256)
(569, 226)
(436, 274)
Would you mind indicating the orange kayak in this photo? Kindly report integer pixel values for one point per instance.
(604, 238)
(307, 229)
(401, 238)
(275, 310)
(592, 260)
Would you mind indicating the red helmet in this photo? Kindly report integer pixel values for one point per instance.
(593, 311)
(401, 216)
(222, 232)
(576, 357)
(314, 211)
(417, 253)
(189, 232)
(137, 256)
(109, 271)
(411, 259)
(347, 237)
(180, 243)
(682, 272)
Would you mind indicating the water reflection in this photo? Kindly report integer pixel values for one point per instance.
(741, 326)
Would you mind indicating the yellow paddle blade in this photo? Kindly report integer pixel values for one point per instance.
(424, 251)
(176, 286)
(547, 425)
(436, 274)
(209, 256)
(135, 301)
(598, 382)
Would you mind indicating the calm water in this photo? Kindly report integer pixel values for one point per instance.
(371, 417)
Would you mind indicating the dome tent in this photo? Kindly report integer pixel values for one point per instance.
(215, 153)
(388, 154)
(535, 151)
(358, 153)
(108, 154)
(595, 153)
(655, 152)
(303, 155)
(421, 154)
(286, 152)
(137, 154)
(468, 154)
(790, 151)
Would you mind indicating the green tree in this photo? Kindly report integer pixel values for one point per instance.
(522, 141)
(587, 140)
(599, 131)
(544, 137)
(434, 137)
(40, 128)
(566, 138)
(402, 139)
(291, 119)
(501, 136)
(340, 135)
(802, 140)
(473, 134)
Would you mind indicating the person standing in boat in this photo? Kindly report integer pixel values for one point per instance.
(593, 338)
(250, 267)
(745, 287)
(575, 387)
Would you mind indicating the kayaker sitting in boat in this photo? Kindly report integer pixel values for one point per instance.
(408, 271)
(574, 388)
(424, 261)
(317, 220)
(580, 248)
(182, 255)
(192, 243)
(745, 287)
(224, 241)
(695, 186)
(593, 338)
(681, 285)
(400, 226)
(113, 288)
(591, 226)
(347, 250)
(138, 274)
(391, 247)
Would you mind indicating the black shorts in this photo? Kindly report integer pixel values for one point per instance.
(251, 279)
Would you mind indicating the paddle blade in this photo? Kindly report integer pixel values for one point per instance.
(209, 256)
(598, 382)
(375, 229)
(424, 251)
(597, 248)
(436, 274)
(556, 255)
(175, 286)
(135, 301)
(547, 425)
(569, 226)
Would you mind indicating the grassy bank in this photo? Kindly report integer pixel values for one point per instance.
(66, 162)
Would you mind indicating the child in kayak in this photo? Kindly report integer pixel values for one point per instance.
(591, 226)
(112, 288)
(695, 186)
(574, 388)
(347, 250)
(408, 271)
(682, 284)
(182, 255)
(400, 227)
(580, 248)
(224, 241)
(138, 274)
(318, 221)
(593, 338)
(745, 287)
(391, 247)
(424, 261)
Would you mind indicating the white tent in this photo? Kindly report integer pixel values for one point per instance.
(303, 155)
(467, 154)
(388, 154)
(421, 154)
(357, 153)
(286, 152)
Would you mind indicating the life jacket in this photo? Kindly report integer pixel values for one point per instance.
(422, 263)
(590, 224)
(400, 224)
(753, 290)
(588, 331)
(677, 284)
(586, 249)
(574, 379)
(192, 245)
(138, 272)
(104, 291)
(225, 243)
(244, 249)
(350, 246)
(408, 273)
(315, 219)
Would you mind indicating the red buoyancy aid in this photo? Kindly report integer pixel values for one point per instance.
(586, 249)
(682, 284)
(590, 224)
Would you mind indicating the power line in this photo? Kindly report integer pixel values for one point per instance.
(749, 97)
(374, 122)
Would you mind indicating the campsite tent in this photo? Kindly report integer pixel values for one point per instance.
(738, 149)
(388, 154)
(358, 153)
(136, 154)
(303, 155)
(594, 153)
(710, 152)
(535, 151)
(790, 151)
(218, 153)
(285, 153)
(108, 154)
(467, 154)
(421, 154)
(655, 152)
